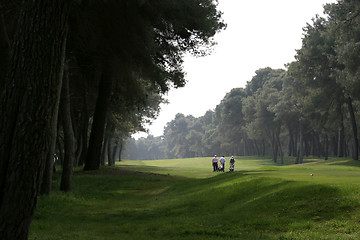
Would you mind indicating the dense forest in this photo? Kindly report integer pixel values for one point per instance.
(309, 108)
(76, 77)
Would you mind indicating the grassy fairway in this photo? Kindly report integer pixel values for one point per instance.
(259, 200)
(195, 167)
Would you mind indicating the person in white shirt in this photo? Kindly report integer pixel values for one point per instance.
(222, 161)
(215, 163)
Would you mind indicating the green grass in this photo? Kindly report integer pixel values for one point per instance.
(260, 200)
(197, 167)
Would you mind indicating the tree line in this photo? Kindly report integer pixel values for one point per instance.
(79, 76)
(309, 108)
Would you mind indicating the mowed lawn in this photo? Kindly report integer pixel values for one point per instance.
(196, 167)
(184, 199)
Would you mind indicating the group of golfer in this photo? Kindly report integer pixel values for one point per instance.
(221, 167)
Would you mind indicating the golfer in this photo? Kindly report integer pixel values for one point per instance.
(222, 161)
(215, 161)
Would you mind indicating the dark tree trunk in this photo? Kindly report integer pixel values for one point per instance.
(291, 142)
(263, 147)
(109, 151)
(60, 148)
(245, 145)
(341, 133)
(274, 146)
(98, 126)
(326, 153)
(296, 153)
(50, 163)
(334, 144)
(28, 110)
(301, 150)
(277, 138)
(78, 148)
(354, 129)
(4, 49)
(306, 146)
(104, 155)
(256, 147)
(84, 125)
(318, 146)
(116, 149)
(120, 149)
(312, 145)
(69, 144)
(110, 127)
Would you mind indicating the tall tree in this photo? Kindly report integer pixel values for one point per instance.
(154, 37)
(317, 68)
(69, 141)
(231, 121)
(32, 91)
(4, 48)
(344, 22)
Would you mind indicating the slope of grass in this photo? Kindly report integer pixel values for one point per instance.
(197, 167)
(259, 201)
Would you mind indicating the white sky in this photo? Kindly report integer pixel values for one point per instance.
(260, 33)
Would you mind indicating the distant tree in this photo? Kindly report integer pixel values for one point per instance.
(175, 134)
(231, 122)
(261, 122)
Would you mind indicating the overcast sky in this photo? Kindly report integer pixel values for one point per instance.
(260, 33)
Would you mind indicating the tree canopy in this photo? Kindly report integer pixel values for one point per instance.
(311, 107)
(110, 60)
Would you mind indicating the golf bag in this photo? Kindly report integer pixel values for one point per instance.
(232, 165)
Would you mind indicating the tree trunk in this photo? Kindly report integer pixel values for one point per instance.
(301, 151)
(274, 146)
(104, 155)
(98, 126)
(263, 150)
(116, 149)
(318, 146)
(334, 144)
(291, 142)
(50, 163)
(60, 149)
(69, 144)
(28, 110)
(245, 145)
(354, 129)
(110, 127)
(84, 125)
(296, 153)
(257, 148)
(4, 49)
(326, 147)
(109, 151)
(121, 143)
(341, 133)
(277, 138)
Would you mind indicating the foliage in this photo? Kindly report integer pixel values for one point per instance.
(311, 108)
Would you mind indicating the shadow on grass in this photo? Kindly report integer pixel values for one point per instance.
(346, 162)
(257, 205)
(225, 206)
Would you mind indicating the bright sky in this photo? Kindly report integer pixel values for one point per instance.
(260, 33)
